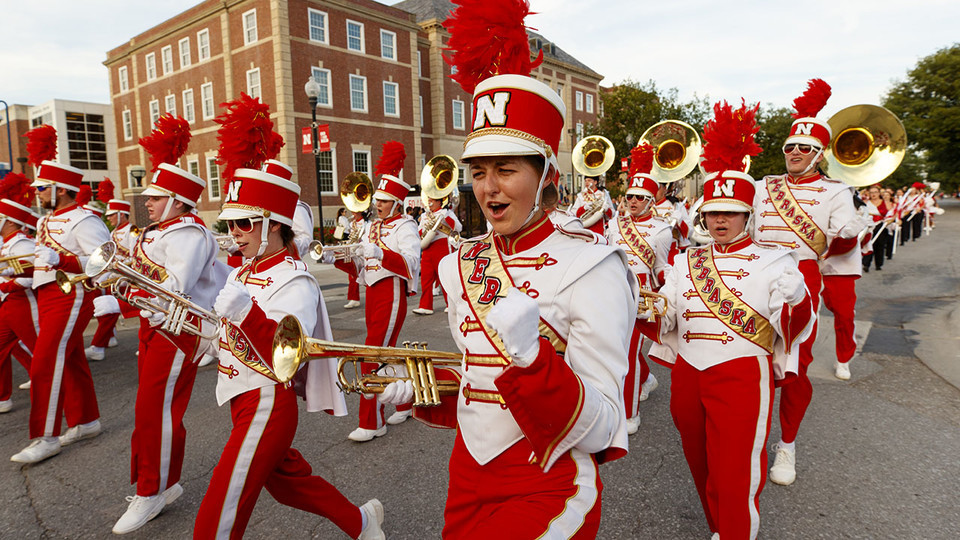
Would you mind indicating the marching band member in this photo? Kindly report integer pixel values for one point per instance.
(813, 214)
(876, 250)
(60, 377)
(435, 244)
(593, 205)
(391, 250)
(273, 282)
(354, 229)
(649, 246)
(542, 316)
(303, 217)
(911, 208)
(735, 312)
(118, 215)
(675, 213)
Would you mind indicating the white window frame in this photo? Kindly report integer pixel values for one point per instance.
(166, 58)
(189, 113)
(396, 99)
(251, 85)
(203, 35)
(560, 90)
(193, 167)
(579, 130)
(457, 108)
(250, 34)
(353, 161)
(578, 102)
(151, 63)
(123, 77)
(185, 59)
(419, 64)
(590, 103)
(421, 109)
(393, 46)
(213, 173)
(325, 29)
(362, 79)
(127, 124)
(333, 174)
(211, 111)
(323, 100)
(363, 47)
(154, 111)
(170, 104)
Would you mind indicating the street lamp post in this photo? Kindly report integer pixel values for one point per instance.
(312, 88)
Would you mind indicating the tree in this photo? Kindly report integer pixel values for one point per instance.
(775, 125)
(928, 104)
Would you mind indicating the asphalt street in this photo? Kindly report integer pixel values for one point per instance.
(878, 456)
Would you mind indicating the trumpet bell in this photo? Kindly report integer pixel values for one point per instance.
(870, 143)
(677, 149)
(439, 178)
(100, 259)
(287, 348)
(593, 155)
(356, 192)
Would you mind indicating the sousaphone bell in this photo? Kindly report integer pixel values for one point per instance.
(593, 155)
(869, 143)
(439, 179)
(356, 192)
(676, 147)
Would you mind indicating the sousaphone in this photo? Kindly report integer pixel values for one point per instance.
(593, 155)
(676, 147)
(438, 179)
(869, 143)
(356, 192)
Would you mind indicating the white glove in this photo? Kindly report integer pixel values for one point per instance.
(105, 305)
(7, 272)
(650, 315)
(25, 282)
(516, 317)
(397, 393)
(372, 251)
(328, 257)
(233, 302)
(153, 319)
(46, 257)
(791, 286)
(856, 225)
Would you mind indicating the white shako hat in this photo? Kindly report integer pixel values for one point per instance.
(118, 206)
(171, 181)
(807, 128)
(258, 194)
(729, 137)
(389, 168)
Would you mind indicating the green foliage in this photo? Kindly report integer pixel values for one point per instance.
(775, 125)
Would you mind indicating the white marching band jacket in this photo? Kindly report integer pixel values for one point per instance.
(124, 240)
(74, 234)
(398, 238)
(447, 216)
(647, 242)
(585, 199)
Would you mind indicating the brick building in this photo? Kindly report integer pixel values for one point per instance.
(379, 66)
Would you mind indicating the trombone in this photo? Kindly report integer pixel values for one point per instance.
(18, 263)
(67, 283)
(291, 347)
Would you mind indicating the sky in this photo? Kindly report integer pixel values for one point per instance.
(760, 50)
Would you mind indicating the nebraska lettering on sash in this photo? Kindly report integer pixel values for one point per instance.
(794, 216)
(237, 344)
(725, 305)
(638, 246)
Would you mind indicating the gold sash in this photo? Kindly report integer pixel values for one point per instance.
(724, 304)
(484, 278)
(635, 241)
(143, 264)
(794, 216)
(241, 350)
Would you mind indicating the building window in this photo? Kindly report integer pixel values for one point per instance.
(124, 81)
(421, 109)
(458, 114)
(250, 27)
(390, 92)
(560, 90)
(579, 130)
(184, 52)
(579, 100)
(127, 125)
(419, 65)
(358, 93)
(388, 45)
(322, 76)
(87, 141)
(325, 172)
(166, 55)
(206, 101)
(361, 161)
(203, 45)
(318, 25)
(151, 60)
(188, 106)
(154, 111)
(170, 104)
(589, 103)
(193, 167)
(253, 83)
(355, 36)
(213, 178)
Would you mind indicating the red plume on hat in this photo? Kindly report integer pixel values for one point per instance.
(16, 187)
(168, 141)
(813, 100)
(641, 159)
(391, 160)
(729, 137)
(488, 38)
(84, 195)
(246, 135)
(41, 144)
(105, 190)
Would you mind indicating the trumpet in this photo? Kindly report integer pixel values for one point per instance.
(647, 306)
(176, 308)
(342, 252)
(226, 242)
(18, 263)
(291, 347)
(67, 283)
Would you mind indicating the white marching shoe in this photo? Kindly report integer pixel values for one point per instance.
(423, 311)
(6, 405)
(40, 449)
(352, 304)
(94, 353)
(80, 432)
(140, 511)
(784, 470)
(648, 386)
(842, 371)
(399, 417)
(364, 435)
(25, 386)
(633, 424)
(172, 493)
(113, 342)
(374, 530)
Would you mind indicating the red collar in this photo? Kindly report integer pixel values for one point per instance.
(525, 238)
(267, 262)
(392, 218)
(734, 246)
(804, 179)
(644, 217)
(66, 209)
(10, 236)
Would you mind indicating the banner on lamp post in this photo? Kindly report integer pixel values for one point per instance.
(323, 137)
(306, 136)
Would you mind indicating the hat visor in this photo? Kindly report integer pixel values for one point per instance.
(238, 213)
(151, 191)
(500, 145)
(725, 205)
(384, 196)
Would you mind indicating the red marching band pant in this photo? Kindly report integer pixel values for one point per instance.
(840, 297)
(795, 397)
(16, 327)
(61, 381)
(258, 455)
(429, 262)
(637, 372)
(353, 287)
(385, 310)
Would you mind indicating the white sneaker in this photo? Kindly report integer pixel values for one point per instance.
(446, 309)
(80, 432)
(172, 493)
(7, 406)
(633, 424)
(40, 449)
(364, 435)
(352, 304)
(94, 353)
(648, 386)
(140, 511)
(784, 470)
(25, 386)
(715, 536)
(113, 342)
(206, 360)
(399, 417)
(842, 371)
(374, 511)
(423, 311)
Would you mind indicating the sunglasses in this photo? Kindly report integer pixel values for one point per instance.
(244, 225)
(635, 196)
(41, 189)
(802, 148)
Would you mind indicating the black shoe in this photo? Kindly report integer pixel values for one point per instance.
(866, 269)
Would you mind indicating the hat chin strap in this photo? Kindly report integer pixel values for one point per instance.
(263, 236)
(166, 209)
(813, 163)
(547, 164)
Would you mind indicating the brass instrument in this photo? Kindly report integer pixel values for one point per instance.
(593, 155)
(676, 148)
(175, 307)
(356, 192)
(341, 252)
(291, 347)
(438, 179)
(648, 304)
(592, 207)
(868, 145)
(67, 283)
(18, 263)
(226, 242)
